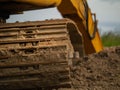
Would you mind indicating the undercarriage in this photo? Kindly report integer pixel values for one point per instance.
(38, 54)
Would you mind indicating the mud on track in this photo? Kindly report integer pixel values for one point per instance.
(98, 71)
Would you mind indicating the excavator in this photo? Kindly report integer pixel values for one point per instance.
(41, 54)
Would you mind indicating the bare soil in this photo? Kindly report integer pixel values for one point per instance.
(98, 71)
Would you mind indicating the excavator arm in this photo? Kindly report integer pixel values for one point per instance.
(79, 12)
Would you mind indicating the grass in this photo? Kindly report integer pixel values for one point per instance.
(111, 39)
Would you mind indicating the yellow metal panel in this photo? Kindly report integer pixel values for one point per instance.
(91, 24)
(97, 42)
(78, 4)
(41, 2)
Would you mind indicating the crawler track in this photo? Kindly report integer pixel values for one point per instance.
(36, 54)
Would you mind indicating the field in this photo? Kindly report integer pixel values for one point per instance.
(111, 39)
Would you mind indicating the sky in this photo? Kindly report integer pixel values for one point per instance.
(107, 11)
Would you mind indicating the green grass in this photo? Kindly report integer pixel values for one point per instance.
(111, 39)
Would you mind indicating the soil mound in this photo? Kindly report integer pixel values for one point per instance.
(98, 71)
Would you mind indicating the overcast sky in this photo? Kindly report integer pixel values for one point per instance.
(108, 13)
(107, 10)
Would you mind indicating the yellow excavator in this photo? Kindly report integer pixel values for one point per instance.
(41, 54)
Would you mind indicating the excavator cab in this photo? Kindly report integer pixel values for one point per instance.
(40, 54)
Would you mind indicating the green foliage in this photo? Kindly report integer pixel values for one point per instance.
(111, 39)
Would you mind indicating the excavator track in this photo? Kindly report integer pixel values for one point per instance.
(36, 54)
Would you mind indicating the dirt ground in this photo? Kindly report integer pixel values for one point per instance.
(98, 71)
